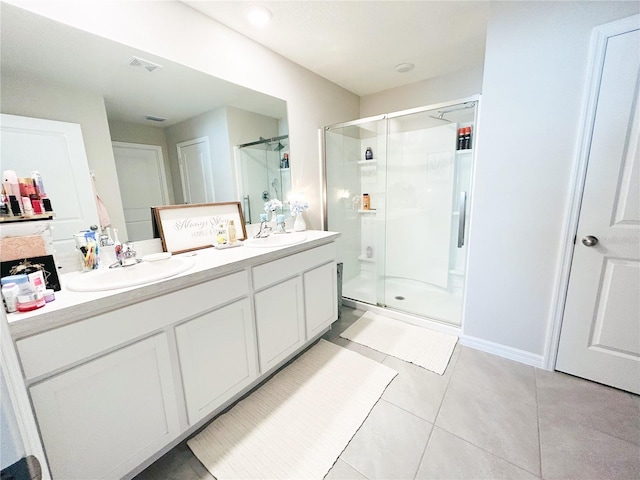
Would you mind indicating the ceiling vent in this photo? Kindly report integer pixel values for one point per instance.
(142, 64)
(153, 118)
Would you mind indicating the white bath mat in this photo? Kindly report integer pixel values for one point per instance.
(298, 423)
(421, 346)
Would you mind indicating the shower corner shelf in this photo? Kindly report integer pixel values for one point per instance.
(364, 258)
(371, 210)
(462, 152)
(366, 162)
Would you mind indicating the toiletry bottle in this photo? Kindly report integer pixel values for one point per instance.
(460, 138)
(368, 154)
(286, 160)
(117, 246)
(10, 292)
(233, 238)
(467, 138)
(222, 235)
(365, 201)
(39, 186)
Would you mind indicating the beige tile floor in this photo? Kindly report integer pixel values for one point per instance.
(485, 418)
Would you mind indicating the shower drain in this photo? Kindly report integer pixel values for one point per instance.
(399, 297)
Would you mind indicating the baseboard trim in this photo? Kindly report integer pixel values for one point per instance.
(504, 351)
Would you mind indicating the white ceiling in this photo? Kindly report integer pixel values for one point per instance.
(356, 44)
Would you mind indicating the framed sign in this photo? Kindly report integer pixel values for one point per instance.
(184, 228)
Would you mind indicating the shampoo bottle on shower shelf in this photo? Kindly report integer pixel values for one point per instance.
(365, 201)
(368, 154)
(467, 138)
(460, 138)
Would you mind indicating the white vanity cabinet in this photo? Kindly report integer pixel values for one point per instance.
(295, 299)
(106, 416)
(217, 357)
(279, 321)
(320, 298)
(129, 378)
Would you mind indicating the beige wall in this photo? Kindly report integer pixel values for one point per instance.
(454, 86)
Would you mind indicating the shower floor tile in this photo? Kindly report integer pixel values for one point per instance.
(408, 296)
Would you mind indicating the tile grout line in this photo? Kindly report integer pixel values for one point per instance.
(539, 475)
(435, 418)
(535, 379)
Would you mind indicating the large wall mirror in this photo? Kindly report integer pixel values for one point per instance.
(156, 132)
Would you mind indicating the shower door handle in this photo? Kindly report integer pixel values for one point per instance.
(247, 209)
(462, 213)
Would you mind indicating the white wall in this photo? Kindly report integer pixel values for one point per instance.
(534, 77)
(453, 86)
(175, 31)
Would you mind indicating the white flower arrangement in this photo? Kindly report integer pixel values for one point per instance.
(298, 206)
(272, 205)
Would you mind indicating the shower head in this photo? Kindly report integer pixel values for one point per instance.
(278, 147)
(441, 117)
(441, 113)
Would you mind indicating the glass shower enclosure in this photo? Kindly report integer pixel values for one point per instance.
(263, 174)
(398, 189)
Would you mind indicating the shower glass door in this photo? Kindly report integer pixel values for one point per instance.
(407, 250)
(428, 182)
(351, 174)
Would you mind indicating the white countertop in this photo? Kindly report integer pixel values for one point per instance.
(209, 263)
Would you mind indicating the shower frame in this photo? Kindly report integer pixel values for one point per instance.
(442, 108)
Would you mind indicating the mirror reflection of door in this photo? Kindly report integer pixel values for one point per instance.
(143, 184)
(195, 171)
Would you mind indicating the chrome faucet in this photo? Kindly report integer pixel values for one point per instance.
(280, 227)
(128, 255)
(265, 230)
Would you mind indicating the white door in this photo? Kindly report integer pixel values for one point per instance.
(195, 171)
(143, 185)
(600, 337)
(56, 150)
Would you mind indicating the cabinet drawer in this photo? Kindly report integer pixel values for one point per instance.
(54, 349)
(278, 270)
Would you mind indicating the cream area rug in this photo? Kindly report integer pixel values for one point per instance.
(421, 346)
(297, 424)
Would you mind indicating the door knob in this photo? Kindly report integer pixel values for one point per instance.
(589, 241)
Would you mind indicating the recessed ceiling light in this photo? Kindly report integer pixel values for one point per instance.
(403, 67)
(259, 15)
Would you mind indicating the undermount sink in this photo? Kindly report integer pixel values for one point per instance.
(276, 240)
(122, 277)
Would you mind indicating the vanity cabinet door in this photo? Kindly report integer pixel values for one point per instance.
(280, 321)
(217, 353)
(320, 298)
(103, 418)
